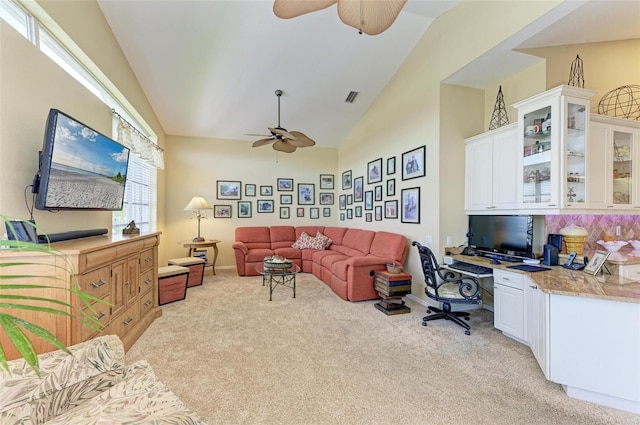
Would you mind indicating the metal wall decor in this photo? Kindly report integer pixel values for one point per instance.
(576, 75)
(499, 116)
(622, 102)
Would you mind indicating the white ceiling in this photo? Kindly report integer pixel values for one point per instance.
(210, 68)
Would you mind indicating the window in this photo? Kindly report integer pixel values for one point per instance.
(140, 203)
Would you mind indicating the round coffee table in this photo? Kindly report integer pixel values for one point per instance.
(279, 276)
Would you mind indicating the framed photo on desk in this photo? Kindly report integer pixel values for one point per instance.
(596, 262)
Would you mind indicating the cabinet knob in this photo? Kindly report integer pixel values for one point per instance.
(127, 283)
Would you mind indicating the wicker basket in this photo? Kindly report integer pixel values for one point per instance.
(394, 269)
(575, 243)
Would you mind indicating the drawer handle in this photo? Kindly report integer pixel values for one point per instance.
(148, 281)
(552, 205)
(148, 303)
(100, 316)
(505, 278)
(126, 322)
(99, 284)
(148, 259)
(533, 287)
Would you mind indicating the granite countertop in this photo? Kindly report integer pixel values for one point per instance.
(561, 281)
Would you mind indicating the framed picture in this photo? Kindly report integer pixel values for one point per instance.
(349, 213)
(314, 212)
(326, 212)
(265, 205)
(410, 205)
(596, 262)
(368, 217)
(378, 192)
(284, 213)
(391, 187)
(358, 184)
(286, 199)
(229, 189)
(326, 181)
(346, 180)
(391, 209)
(413, 163)
(374, 171)
(266, 190)
(368, 200)
(222, 211)
(358, 211)
(342, 201)
(249, 190)
(391, 165)
(350, 199)
(326, 198)
(244, 209)
(285, 185)
(300, 212)
(378, 212)
(306, 194)
(342, 216)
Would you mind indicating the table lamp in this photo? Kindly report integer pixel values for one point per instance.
(197, 204)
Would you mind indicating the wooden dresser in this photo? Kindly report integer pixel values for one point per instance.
(120, 269)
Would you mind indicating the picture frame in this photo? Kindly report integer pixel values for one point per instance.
(350, 199)
(378, 213)
(358, 187)
(410, 205)
(249, 190)
(391, 166)
(285, 185)
(346, 180)
(342, 202)
(358, 211)
(391, 209)
(314, 213)
(222, 211)
(326, 198)
(227, 189)
(391, 187)
(326, 181)
(265, 205)
(300, 212)
(374, 171)
(266, 190)
(368, 200)
(342, 216)
(413, 163)
(596, 262)
(349, 213)
(326, 212)
(285, 213)
(377, 193)
(368, 217)
(244, 209)
(286, 199)
(306, 194)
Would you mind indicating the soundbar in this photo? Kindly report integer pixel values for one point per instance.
(74, 234)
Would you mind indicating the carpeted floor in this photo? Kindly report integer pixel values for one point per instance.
(236, 358)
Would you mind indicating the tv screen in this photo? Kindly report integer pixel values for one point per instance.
(80, 169)
(504, 234)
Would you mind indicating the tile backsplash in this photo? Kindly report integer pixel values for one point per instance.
(598, 226)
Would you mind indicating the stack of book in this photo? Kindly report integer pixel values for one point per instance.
(391, 287)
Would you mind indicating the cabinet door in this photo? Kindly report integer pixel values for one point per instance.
(505, 170)
(574, 186)
(597, 150)
(132, 279)
(621, 160)
(537, 307)
(508, 315)
(118, 292)
(478, 175)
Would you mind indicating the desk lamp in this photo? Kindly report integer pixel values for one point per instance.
(197, 204)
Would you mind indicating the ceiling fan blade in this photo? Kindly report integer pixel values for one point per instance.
(301, 140)
(258, 135)
(262, 142)
(282, 132)
(286, 9)
(370, 17)
(284, 146)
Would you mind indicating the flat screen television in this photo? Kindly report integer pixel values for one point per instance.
(510, 235)
(79, 168)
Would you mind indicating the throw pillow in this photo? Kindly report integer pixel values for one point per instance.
(326, 241)
(307, 242)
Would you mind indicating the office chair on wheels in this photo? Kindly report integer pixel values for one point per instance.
(448, 287)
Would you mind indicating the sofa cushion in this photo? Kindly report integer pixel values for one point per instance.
(254, 237)
(358, 239)
(309, 230)
(335, 233)
(288, 252)
(257, 255)
(282, 236)
(389, 245)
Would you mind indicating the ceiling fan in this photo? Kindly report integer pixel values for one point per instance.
(283, 140)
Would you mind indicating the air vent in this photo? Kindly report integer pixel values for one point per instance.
(351, 97)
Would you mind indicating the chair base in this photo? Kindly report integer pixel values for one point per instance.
(447, 314)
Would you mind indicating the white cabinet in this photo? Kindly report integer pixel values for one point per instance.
(537, 324)
(508, 301)
(490, 171)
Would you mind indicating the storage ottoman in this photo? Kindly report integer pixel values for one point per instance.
(172, 284)
(195, 266)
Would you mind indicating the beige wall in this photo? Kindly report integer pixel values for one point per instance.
(194, 165)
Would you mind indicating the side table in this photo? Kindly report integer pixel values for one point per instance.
(392, 287)
(209, 243)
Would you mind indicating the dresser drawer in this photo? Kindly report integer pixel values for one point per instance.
(126, 321)
(631, 272)
(102, 313)
(146, 281)
(513, 280)
(97, 282)
(147, 260)
(146, 303)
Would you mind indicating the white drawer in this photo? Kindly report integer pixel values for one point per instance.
(631, 272)
(513, 280)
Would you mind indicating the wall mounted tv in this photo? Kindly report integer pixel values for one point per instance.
(79, 168)
(510, 235)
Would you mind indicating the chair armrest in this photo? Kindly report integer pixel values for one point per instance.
(369, 260)
(241, 246)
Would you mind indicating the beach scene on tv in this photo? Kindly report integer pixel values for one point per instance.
(88, 170)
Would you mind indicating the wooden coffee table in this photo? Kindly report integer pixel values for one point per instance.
(275, 277)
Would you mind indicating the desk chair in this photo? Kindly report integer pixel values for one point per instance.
(447, 288)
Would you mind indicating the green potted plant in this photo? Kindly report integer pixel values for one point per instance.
(16, 294)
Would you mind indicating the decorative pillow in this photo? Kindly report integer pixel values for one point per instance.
(325, 240)
(307, 242)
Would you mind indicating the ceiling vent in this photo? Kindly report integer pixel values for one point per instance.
(351, 97)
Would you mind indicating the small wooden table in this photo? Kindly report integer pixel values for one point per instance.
(209, 243)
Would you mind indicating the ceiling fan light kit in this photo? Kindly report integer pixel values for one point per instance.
(283, 140)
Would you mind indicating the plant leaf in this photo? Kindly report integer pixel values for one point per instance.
(20, 341)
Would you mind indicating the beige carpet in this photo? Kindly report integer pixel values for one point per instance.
(236, 358)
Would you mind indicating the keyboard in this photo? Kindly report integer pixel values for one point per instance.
(471, 268)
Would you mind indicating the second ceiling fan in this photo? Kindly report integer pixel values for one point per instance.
(283, 140)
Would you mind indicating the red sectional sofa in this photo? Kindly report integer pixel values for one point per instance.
(346, 265)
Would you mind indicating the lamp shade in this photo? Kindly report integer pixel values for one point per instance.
(198, 203)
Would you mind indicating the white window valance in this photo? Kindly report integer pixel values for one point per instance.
(139, 144)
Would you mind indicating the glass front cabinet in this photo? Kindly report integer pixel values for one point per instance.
(552, 164)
